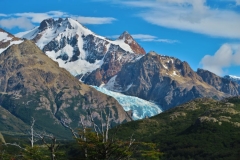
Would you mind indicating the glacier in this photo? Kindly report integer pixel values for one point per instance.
(140, 108)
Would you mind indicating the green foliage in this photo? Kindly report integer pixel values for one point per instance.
(180, 134)
(7, 153)
(94, 146)
(35, 153)
(148, 151)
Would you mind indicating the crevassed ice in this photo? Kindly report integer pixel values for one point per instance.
(141, 108)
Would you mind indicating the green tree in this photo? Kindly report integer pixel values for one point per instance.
(35, 153)
(95, 143)
(93, 146)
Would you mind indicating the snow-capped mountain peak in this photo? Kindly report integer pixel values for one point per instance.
(75, 47)
(128, 39)
(125, 36)
(51, 29)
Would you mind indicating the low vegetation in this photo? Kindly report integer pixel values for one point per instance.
(200, 129)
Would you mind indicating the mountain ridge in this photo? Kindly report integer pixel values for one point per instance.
(162, 79)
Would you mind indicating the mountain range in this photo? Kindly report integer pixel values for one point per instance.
(48, 77)
(123, 66)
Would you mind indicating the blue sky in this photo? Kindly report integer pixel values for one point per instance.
(205, 33)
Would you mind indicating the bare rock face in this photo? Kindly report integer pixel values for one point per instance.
(32, 85)
(162, 79)
(222, 84)
(112, 64)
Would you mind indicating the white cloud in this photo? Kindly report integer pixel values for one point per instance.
(21, 22)
(147, 38)
(189, 15)
(236, 56)
(94, 20)
(143, 36)
(237, 2)
(39, 17)
(28, 20)
(226, 56)
(166, 40)
(3, 15)
(150, 38)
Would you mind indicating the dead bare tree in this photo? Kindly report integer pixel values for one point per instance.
(33, 138)
(98, 139)
(52, 146)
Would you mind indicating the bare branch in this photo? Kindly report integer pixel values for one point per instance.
(131, 141)
(15, 144)
(94, 125)
(70, 128)
(108, 116)
(32, 140)
(102, 127)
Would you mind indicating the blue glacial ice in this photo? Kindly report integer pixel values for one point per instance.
(141, 108)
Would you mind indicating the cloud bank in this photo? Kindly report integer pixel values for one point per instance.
(227, 55)
(28, 20)
(189, 15)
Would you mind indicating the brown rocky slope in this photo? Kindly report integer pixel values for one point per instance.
(32, 85)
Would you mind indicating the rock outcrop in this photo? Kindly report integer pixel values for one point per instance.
(222, 84)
